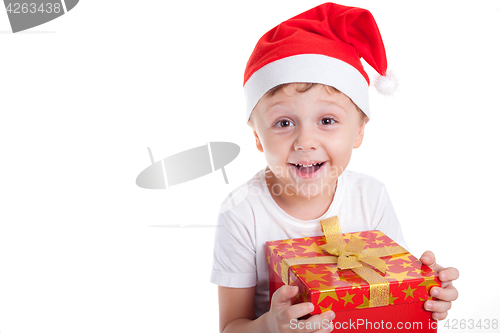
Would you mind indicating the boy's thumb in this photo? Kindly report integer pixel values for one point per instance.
(283, 294)
(292, 290)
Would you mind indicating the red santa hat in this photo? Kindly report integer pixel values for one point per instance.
(322, 45)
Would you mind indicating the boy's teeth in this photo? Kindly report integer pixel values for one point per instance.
(307, 166)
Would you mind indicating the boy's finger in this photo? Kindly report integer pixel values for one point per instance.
(439, 315)
(294, 312)
(429, 259)
(448, 274)
(448, 294)
(283, 294)
(437, 306)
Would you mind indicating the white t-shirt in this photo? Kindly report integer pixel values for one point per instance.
(249, 217)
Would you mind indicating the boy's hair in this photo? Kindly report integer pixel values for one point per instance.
(305, 86)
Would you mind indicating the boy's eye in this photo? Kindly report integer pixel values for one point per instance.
(283, 123)
(327, 121)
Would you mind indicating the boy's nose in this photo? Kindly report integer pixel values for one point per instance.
(305, 141)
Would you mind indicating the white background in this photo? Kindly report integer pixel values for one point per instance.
(83, 249)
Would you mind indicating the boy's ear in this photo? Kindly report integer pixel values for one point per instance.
(361, 133)
(257, 142)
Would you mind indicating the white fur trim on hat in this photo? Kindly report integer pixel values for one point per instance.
(315, 68)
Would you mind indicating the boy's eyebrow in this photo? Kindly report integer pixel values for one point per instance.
(337, 105)
(333, 102)
(274, 104)
(267, 110)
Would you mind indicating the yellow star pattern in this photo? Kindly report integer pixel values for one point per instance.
(329, 307)
(398, 276)
(404, 257)
(356, 285)
(347, 298)
(392, 299)
(272, 247)
(312, 248)
(346, 278)
(429, 284)
(418, 271)
(330, 268)
(310, 276)
(289, 241)
(409, 292)
(406, 264)
(325, 294)
(325, 287)
(292, 249)
(357, 235)
(378, 241)
(366, 303)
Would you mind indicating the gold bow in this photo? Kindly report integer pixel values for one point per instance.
(351, 256)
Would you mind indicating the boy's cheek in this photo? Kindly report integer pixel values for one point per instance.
(335, 171)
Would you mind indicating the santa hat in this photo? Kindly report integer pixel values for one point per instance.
(322, 45)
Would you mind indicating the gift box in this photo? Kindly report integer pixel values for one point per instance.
(369, 281)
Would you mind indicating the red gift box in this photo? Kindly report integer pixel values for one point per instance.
(359, 302)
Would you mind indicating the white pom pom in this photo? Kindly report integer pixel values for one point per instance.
(387, 84)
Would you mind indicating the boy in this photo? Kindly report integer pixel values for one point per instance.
(307, 104)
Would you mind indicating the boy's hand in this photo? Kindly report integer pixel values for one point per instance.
(282, 317)
(444, 295)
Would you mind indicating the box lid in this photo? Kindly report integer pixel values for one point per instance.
(327, 287)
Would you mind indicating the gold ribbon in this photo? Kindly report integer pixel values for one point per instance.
(351, 256)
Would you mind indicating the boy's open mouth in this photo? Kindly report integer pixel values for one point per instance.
(307, 169)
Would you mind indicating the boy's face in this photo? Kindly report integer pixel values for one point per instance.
(307, 138)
